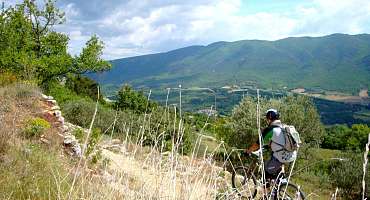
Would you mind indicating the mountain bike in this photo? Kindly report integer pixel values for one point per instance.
(246, 182)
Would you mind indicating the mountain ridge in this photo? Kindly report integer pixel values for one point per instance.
(337, 62)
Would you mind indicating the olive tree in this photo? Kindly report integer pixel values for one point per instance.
(241, 130)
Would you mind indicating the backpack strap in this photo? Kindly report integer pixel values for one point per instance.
(281, 145)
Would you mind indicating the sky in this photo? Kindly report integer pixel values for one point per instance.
(137, 27)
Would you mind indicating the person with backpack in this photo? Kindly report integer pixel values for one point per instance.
(283, 140)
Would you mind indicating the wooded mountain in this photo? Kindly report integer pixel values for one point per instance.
(337, 62)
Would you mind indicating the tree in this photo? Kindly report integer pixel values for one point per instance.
(241, 129)
(42, 20)
(342, 137)
(31, 49)
(83, 86)
(129, 99)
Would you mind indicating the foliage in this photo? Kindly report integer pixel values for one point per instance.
(347, 176)
(132, 100)
(343, 137)
(334, 112)
(94, 139)
(159, 125)
(30, 48)
(62, 94)
(79, 134)
(241, 129)
(36, 127)
(83, 86)
(200, 121)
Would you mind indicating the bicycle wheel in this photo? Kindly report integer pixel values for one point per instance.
(244, 182)
(292, 192)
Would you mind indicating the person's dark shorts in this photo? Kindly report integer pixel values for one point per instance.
(273, 167)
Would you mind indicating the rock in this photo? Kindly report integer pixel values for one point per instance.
(61, 135)
(77, 150)
(44, 140)
(61, 120)
(45, 97)
(57, 113)
(69, 139)
(116, 141)
(53, 102)
(54, 108)
(114, 148)
(65, 128)
(72, 144)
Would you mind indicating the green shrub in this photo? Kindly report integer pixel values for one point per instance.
(79, 134)
(36, 127)
(94, 139)
(62, 94)
(80, 112)
(347, 176)
(96, 157)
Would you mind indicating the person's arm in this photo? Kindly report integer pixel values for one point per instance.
(253, 147)
(256, 146)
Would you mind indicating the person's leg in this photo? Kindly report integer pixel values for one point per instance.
(272, 168)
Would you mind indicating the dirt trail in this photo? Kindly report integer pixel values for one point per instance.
(156, 180)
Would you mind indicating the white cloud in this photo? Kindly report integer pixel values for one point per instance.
(131, 27)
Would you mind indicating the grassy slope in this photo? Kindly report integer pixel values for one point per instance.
(336, 62)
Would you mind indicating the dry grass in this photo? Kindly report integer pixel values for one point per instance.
(17, 102)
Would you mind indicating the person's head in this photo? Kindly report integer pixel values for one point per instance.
(272, 115)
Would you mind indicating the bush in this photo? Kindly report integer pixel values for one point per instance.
(347, 176)
(62, 94)
(80, 112)
(94, 139)
(36, 127)
(79, 134)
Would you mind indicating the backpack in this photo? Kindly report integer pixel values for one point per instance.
(292, 139)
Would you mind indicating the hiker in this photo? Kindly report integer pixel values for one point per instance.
(273, 137)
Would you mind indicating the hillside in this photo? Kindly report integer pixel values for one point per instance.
(337, 62)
